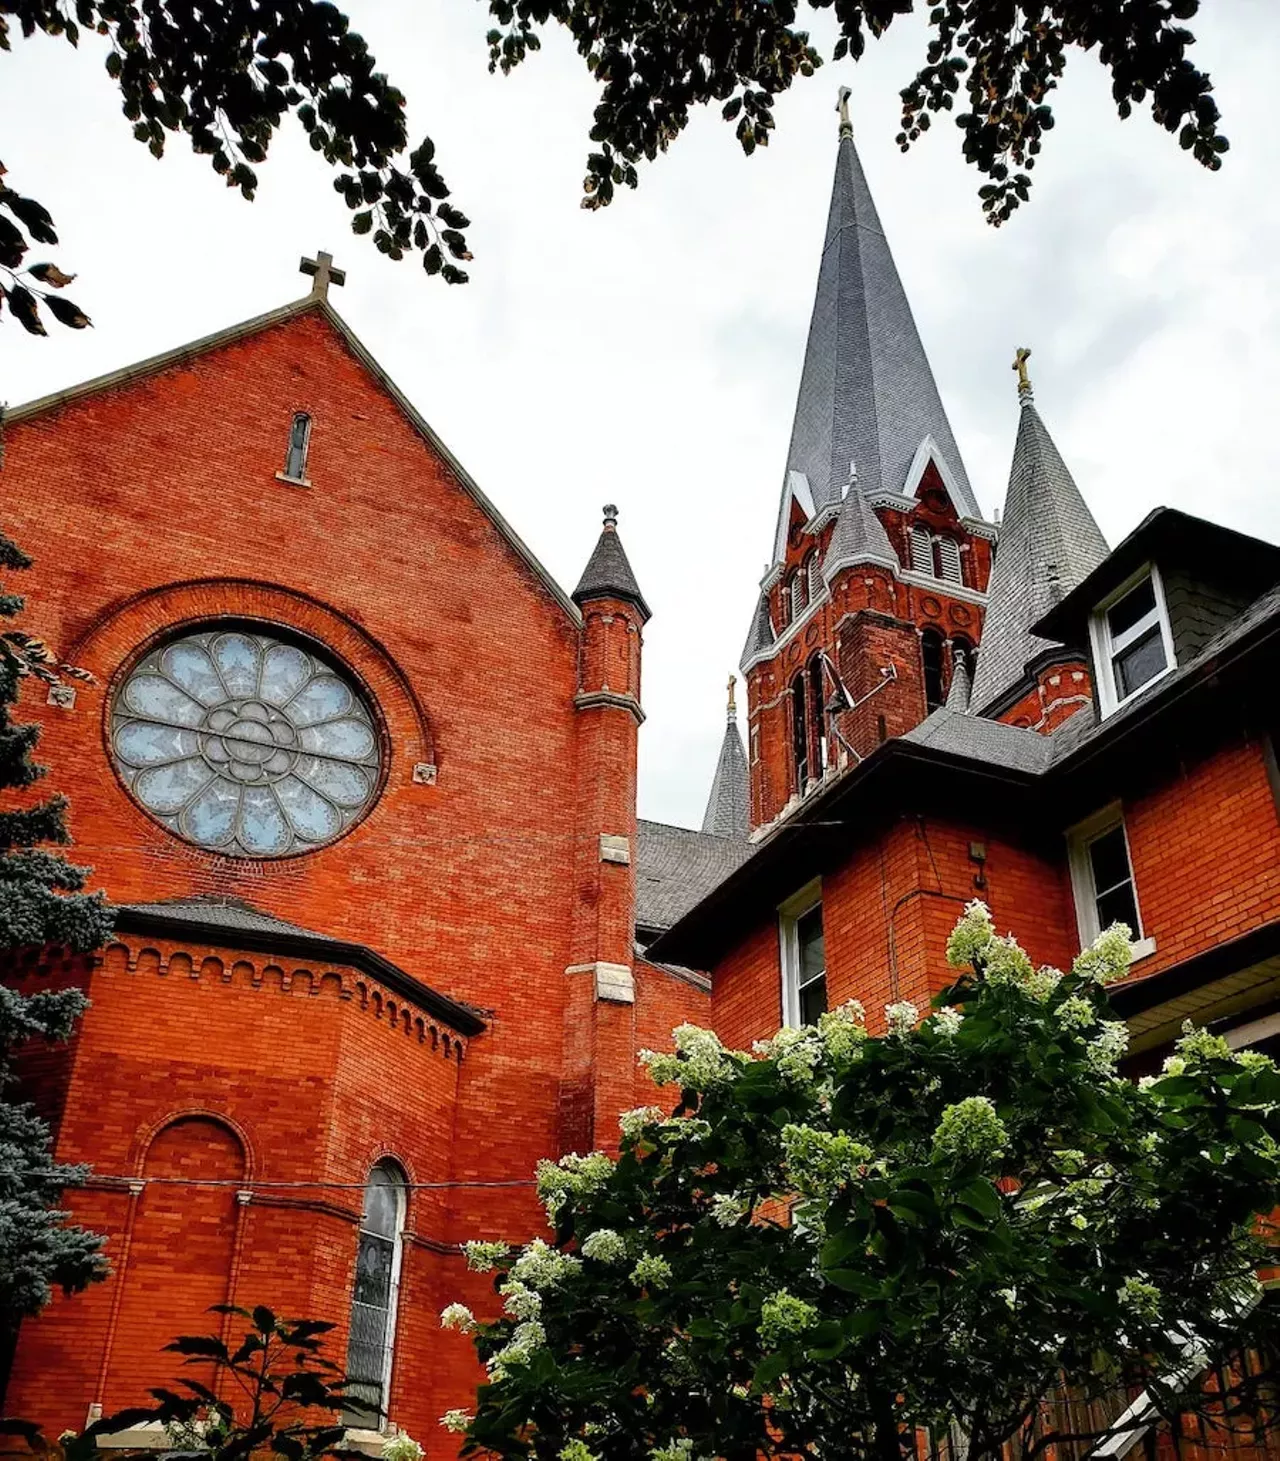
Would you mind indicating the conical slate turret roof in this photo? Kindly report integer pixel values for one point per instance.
(608, 573)
(727, 813)
(867, 394)
(958, 692)
(1049, 541)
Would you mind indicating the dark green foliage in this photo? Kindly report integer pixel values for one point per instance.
(41, 905)
(227, 75)
(258, 1396)
(983, 1213)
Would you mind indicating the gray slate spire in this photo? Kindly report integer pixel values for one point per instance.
(608, 574)
(727, 813)
(859, 535)
(958, 691)
(867, 394)
(1049, 541)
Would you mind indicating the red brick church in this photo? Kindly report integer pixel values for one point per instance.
(371, 961)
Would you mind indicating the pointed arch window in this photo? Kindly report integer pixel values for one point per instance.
(931, 654)
(948, 553)
(800, 730)
(800, 590)
(786, 604)
(921, 550)
(814, 570)
(818, 717)
(374, 1295)
(295, 459)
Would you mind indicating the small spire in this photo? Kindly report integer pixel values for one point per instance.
(322, 274)
(610, 517)
(1020, 358)
(733, 703)
(842, 106)
(958, 691)
(608, 574)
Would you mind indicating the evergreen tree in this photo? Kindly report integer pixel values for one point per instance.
(41, 904)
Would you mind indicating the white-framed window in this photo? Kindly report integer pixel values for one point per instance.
(804, 957)
(1102, 881)
(374, 1297)
(1132, 640)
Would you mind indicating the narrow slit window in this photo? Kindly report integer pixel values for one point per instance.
(931, 647)
(800, 592)
(922, 550)
(949, 560)
(800, 731)
(295, 461)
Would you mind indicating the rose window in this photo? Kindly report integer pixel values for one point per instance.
(246, 744)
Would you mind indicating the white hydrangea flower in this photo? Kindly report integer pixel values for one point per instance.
(1199, 1045)
(520, 1301)
(1110, 1043)
(664, 1070)
(540, 1266)
(401, 1447)
(705, 1061)
(947, 1021)
(571, 1177)
(782, 1315)
(634, 1122)
(843, 1030)
(1108, 957)
(456, 1420)
(727, 1209)
(901, 1017)
(1173, 1065)
(971, 935)
(968, 1129)
(576, 1450)
(1010, 1296)
(651, 1272)
(1076, 1012)
(525, 1339)
(1145, 1082)
(605, 1246)
(819, 1162)
(679, 1450)
(457, 1316)
(1140, 1297)
(483, 1256)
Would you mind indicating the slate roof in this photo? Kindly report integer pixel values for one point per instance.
(677, 867)
(215, 917)
(867, 394)
(727, 813)
(1049, 542)
(958, 690)
(1012, 747)
(859, 536)
(608, 572)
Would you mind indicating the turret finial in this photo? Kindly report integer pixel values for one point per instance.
(1020, 358)
(842, 106)
(733, 703)
(610, 515)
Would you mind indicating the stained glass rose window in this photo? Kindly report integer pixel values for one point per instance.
(246, 744)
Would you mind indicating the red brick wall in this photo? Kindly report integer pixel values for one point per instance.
(1205, 848)
(155, 505)
(887, 913)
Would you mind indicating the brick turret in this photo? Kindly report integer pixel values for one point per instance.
(599, 1010)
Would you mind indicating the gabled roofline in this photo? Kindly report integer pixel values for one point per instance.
(301, 943)
(232, 334)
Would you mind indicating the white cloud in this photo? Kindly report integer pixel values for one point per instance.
(649, 355)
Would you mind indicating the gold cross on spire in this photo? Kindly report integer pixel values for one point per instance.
(733, 703)
(323, 273)
(842, 106)
(1020, 358)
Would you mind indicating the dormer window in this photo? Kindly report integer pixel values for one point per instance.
(1132, 641)
(295, 459)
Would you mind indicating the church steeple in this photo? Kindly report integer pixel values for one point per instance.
(867, 394)
(727, 813)
(1049, 541)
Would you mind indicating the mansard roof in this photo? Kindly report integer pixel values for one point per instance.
(608, 572)
(867, 394)
(727, 813)
(232, 334)
(233, 923)
(1049, 543)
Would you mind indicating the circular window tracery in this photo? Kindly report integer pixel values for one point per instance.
(246, 744)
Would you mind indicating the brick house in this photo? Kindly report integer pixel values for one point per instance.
(295, 1095)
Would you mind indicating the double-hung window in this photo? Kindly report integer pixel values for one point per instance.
(1132, 641)
(1102, 879)
(804, 958)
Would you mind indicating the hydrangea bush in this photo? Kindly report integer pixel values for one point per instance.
(840, 1239)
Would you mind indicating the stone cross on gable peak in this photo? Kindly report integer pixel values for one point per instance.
(323, 273)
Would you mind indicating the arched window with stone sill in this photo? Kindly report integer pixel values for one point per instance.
(371, 1344)
(295, 459)
(922, 550)
(948, 559)
(800, 730)
(931, 655)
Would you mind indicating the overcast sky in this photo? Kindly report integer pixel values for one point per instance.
(649, 355)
